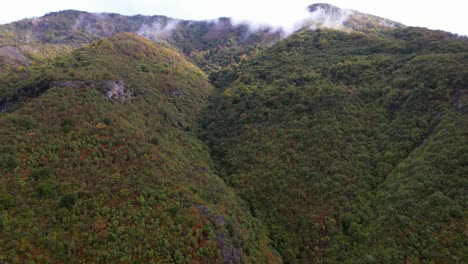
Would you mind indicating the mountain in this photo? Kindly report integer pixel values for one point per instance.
(350, 146)
(103, 165)
(153, 139)
(210, 44)
(329, 16)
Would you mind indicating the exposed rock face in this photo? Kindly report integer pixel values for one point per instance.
(114, 90)
(67, 84)
(229, 252)
(176, 93)
(458, 100)
(22, 94)
(176, 123)
(5, 105)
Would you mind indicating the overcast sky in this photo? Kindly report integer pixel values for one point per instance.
(448, 15)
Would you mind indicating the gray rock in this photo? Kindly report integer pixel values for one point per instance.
(219, 220)
(67, 84)
(116, 90)
(176, 93)
(230, 253)
(203, 210)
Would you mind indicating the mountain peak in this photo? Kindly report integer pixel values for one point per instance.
(323, 6)
(330, 16)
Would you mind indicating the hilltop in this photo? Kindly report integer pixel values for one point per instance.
(329, 16)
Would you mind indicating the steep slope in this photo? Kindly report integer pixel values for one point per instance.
(102, 166)
(333, 140)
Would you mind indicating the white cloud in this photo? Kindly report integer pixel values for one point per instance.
(158, 30)
(447, 15)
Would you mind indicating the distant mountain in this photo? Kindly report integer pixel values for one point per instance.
(211, 44)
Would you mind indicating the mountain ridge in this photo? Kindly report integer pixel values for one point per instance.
(211, 44)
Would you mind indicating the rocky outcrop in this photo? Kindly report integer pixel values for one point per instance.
(176, 93)
(458, 100)
(113, 89)
(67, 84)
(230, 253)
(22, 94)
(116, 90)
(176, 123)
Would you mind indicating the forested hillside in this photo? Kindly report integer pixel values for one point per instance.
(351, 147)
(104, 166)
(148, 139)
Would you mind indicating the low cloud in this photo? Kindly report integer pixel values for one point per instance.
(159, 30)
(256, 27)
(88, 22)
(327, 16)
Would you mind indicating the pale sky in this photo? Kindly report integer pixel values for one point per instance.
(448, 15)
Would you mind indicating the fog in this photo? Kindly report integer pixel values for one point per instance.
(158, 30)
(448, 15)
